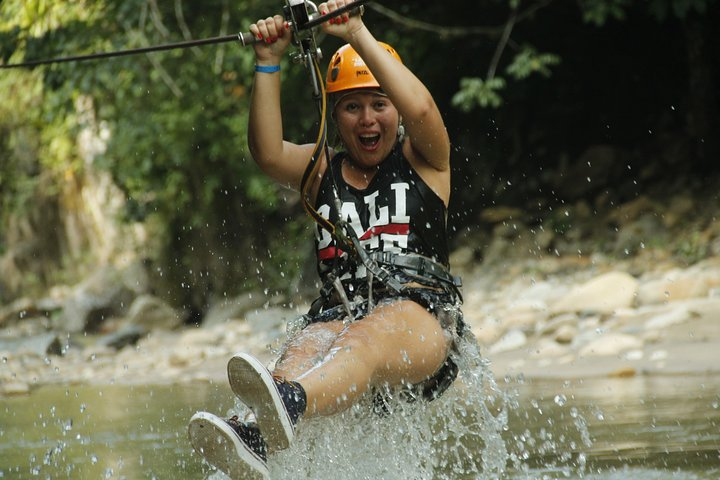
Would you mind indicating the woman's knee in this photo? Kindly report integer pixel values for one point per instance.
(308, 348)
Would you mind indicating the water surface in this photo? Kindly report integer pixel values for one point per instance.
(640, 428)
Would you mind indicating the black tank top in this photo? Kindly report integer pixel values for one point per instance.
(398, 212)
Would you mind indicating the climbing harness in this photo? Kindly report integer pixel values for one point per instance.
(380, 267)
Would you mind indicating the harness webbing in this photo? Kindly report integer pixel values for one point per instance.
(310, 174)
(342, 232)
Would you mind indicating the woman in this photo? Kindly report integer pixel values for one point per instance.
(383, 322)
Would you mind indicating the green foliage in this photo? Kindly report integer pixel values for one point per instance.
(599, 11)
(176, 124)
(529, 61)
(662, 9)
(691, 247)
(478, 92)
(177, 120)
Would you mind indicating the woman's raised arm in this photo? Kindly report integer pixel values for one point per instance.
(421, 117)
(281, 160)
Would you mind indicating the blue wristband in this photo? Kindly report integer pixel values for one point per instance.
(267, 68)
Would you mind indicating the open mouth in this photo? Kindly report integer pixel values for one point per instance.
(369, 141)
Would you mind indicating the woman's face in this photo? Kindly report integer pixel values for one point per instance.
(368, 122)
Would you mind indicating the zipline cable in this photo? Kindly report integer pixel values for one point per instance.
(309, 56)
(122, 53)
(245, 38)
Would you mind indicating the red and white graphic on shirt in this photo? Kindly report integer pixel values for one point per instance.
(388, 225)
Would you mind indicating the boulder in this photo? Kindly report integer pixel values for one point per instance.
(150, 312)
(673, 317)
(462, 259)
(487, 332)
(40, 345)
(632, 236)
(512, 340)
(524, 315)
(566, 334)
(631, 211)
(269, 318)
(24, 308)
(679, 285)
(611, 344)
(601, 295)
(233, 308)
(100, 296)
(125, 335)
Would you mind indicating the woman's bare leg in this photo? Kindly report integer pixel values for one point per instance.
(307, 349)
(395, 343)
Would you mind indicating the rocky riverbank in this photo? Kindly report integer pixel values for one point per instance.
(541, 302)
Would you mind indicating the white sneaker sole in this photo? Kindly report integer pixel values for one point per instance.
(253, 384)
(218, 443)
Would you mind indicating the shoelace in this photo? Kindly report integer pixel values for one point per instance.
(250, 434)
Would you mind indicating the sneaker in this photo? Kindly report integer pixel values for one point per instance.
(237, 449)
(277, 403)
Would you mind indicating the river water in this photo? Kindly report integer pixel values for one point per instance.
(645, 428)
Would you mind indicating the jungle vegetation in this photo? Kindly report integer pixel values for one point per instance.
(526, 87)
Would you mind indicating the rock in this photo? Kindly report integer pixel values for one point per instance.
(124, 336)
(632, 237)
(610, 344)
(624, 372)
(462, 259)
(673, 317)
(100, 296)
(512, 340)
(603, 295)
(678, 285)
(186, 355)
(679, 208)
(558, 322)
(150, 312)
(524, 315)
(629, 212)
(200, 336)
(565, 334)
(17, 310)
(542, 293)
(232, 308)
(547, 348)
(41, 345)
(715, 246)
(510, 241)
(14, 388)
(135, 276)
(488, 332)
(544, 238)
(269, 318)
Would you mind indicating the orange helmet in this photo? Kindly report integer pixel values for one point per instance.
(348, 71)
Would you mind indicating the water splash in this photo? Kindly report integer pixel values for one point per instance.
(468, 433)
(457, 436)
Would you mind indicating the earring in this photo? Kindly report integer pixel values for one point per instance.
(401, 130)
